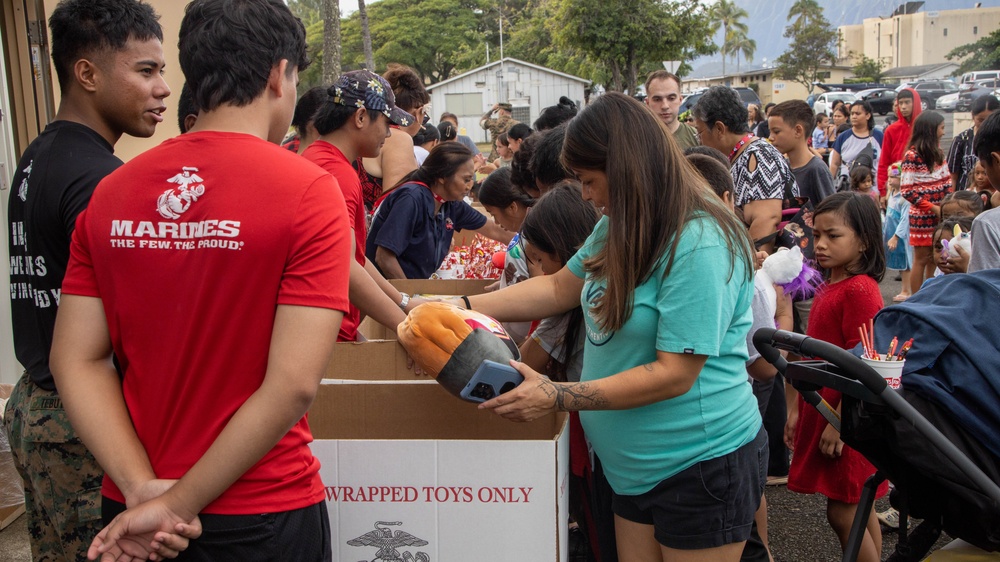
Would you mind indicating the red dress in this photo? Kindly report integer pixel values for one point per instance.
(923, 188)
(837, 312)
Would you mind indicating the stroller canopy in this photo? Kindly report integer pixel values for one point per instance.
(954, 321)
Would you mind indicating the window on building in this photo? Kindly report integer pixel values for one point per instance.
(823, 75)
(975, 30)
(946, 32)
(890, 40)
(521, 113)
(464, 105)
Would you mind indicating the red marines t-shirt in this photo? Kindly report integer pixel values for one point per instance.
(191, 246)
(331, 159)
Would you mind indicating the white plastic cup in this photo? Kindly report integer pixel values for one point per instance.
(891, 371)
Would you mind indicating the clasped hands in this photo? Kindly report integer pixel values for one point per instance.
(148, 529)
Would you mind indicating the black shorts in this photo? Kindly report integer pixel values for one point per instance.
(300, 535)
(707, 505)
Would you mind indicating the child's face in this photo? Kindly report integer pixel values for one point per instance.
(838, 246)
(508, 218)
(502, 151)
(783, 137)
(549, 263)
(939, 253)
(865, 186)
(893, 183)
(956, 209)
(979, 178)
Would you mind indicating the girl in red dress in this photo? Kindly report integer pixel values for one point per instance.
(924, 182)
(849, 246)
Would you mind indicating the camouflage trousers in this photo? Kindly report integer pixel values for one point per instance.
(62, 481)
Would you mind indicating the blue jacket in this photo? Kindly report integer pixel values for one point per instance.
(955, 363)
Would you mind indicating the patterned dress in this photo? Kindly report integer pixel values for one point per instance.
(761, 172)
(923, 188)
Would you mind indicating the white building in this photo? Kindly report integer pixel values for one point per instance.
(528, 87)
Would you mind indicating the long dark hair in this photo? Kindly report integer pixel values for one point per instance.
(924, 139)
(861, 213)
(497, 191)
(559, 224)
(867, 107)
(652, 192)
(443, 162)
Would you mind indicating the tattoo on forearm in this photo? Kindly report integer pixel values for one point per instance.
(574, 396)
(649, 367)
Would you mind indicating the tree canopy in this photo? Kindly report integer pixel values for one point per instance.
(811, 47)
(981, 55)
(614, 43)
(631, 37)
(868, 70)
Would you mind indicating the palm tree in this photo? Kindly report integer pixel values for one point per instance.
(804, 11)
(366, 35)
(738, 42)
(331, 41)
(727, 15)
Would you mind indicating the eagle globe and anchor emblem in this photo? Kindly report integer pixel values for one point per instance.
(388, 542)
(174, 201)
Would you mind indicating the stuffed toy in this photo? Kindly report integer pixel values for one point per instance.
(786, 269)
(949, 248)
(449, 343)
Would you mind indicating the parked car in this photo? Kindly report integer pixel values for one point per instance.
(747, 95)
(930, 90)
(979, 88)
(689, 102)
(879, 98)
(947, 102)
(967, 81)
(825, 100)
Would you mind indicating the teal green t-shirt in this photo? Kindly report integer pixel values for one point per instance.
(697, 309)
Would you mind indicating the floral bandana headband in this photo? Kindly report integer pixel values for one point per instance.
(365, 89)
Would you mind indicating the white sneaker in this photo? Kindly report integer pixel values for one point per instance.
(889, 518)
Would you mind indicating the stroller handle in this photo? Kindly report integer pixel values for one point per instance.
(768, 341)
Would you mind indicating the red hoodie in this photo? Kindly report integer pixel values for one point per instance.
(894, 140)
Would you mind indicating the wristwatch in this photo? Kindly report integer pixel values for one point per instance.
(405, 301)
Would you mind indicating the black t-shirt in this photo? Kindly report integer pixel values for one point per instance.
(814, 180)
(52, 185)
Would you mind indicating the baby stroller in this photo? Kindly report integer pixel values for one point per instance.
(937, 438)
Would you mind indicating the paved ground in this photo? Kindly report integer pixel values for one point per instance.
(798, 528)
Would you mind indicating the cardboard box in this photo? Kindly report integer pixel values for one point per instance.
(371, 360)
(10, 480)
(372, 330)
(10, 514)
(442, 286)
(961, 551)
(413, 473)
